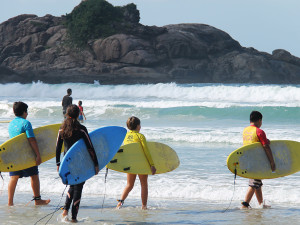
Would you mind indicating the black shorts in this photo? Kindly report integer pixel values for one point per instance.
(25, 173)
(255, 183)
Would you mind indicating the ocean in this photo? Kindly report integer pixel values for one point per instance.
(203, 123)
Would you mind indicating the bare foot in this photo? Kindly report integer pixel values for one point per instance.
(42, 202)
(74, 221)
(120, 203)
(65, 213)
(119, 206)
(144, 207)
(245, 205)
(264, 206)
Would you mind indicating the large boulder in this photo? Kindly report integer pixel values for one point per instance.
(37, 48)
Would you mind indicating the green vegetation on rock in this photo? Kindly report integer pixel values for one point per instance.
(93, 19)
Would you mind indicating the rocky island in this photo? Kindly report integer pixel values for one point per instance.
(36, 48)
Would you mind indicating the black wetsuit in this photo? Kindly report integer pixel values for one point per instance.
(67, 100)
(74, 192)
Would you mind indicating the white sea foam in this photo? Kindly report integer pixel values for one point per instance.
(173, 185)
(192, 119)
(161, 95)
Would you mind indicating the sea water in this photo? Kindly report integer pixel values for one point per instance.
(203, 123)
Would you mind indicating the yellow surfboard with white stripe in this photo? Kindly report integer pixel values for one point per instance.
(16, 153)
(251, 161)
(131, 159)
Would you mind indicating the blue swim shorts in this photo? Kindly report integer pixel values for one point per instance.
(80, 117)
(26, 173)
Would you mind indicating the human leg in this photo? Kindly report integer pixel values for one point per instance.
(11, 189)
(68, 201)
(35, 185)
(259, 196)
(254, 187)
(76, 200)
(260, 199)
(130, 183)
(144, 190)
(248, 197)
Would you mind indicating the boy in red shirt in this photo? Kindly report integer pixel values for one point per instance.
(252, 134)
(81, 114)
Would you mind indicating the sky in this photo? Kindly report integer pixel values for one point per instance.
(265, 25)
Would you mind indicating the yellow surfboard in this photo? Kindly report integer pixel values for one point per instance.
(16, 153)
(131, 159)
(5, 121)
(250, 161)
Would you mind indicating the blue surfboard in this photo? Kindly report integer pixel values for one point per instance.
(77, 165)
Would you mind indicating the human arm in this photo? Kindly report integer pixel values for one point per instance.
(147, 153)
(59, 144)
(269, 154)
(90, 148)
(266, 145)
(33, 143)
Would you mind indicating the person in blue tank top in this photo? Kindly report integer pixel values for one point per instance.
(18, 126)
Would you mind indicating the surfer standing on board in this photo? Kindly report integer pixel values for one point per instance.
(18, 126)
(70, 132)
(133, 136)
(252, 134)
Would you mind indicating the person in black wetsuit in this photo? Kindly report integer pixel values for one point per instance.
(70, 132)
(66, 101)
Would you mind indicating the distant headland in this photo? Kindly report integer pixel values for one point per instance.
(116, 49)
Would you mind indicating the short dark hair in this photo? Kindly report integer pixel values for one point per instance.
(255, 116)
(69, 91)
(80, 103)
(19, 108)
(133, 122)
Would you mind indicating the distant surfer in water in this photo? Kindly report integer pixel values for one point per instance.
(253, 134)
(66, 101)
(133, 136)
(18, 126)
(70, 132)
(81, 114)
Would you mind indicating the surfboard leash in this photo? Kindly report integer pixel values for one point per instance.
(57, 209)
(105, 178)
(2, 184)
(235, 173)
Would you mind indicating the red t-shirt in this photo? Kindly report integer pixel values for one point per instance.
(81, 110)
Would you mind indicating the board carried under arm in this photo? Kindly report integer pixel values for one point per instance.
(131, 159)
(251, 161)
(77, 165)
(17, 154)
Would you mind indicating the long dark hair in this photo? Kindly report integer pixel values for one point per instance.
(71, 123)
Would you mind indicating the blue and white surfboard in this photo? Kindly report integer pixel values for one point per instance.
(77, 165)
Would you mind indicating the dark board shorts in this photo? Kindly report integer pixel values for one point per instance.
(26, 173)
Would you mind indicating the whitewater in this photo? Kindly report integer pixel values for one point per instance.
(203, 123)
